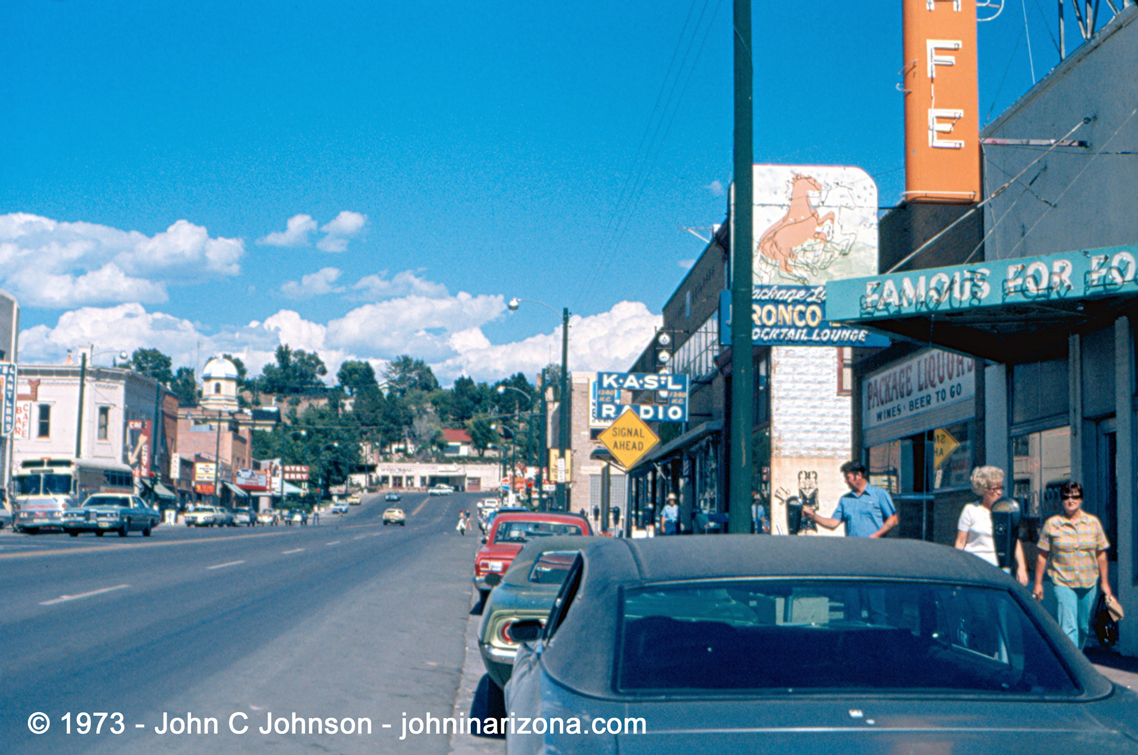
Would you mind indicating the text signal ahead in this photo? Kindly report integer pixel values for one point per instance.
(628, 439)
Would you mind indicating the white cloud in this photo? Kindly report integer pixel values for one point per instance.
(315, 284)
(716, 189)
(296, 233)
(49, 263)
(406, 283)
(607, 341)
(344, 226)
(446, 333)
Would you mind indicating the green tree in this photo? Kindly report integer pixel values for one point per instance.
(482, 435)
(295, 372)
(405, 374)
(153, 363)
(354, 376)
(185, 386)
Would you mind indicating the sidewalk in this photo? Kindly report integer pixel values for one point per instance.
(1120, 669)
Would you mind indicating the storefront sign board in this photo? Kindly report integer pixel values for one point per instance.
(927, 381)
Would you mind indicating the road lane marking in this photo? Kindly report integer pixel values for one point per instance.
(420, 506)
(222, 566)
(65, 598)
(334, 542)
(360, 537)
(297, 550)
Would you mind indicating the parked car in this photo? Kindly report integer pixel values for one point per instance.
(296, 516)
(392, 496)
(394, 516)
(244, 516)
(526, 591)
(203, 516)
(510, 531)
(806, 644)
(267, 516)
(224, 517)
(6, 517)
(440, 489)
(107, 512)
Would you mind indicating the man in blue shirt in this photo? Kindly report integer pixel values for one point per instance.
(867, 510)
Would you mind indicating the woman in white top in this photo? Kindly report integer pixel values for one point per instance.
(974, 530)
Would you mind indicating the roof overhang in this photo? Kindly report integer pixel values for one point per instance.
(1009, 311)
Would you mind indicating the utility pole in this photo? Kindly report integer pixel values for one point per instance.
(79, 424)
(563, 423)
(742, 283)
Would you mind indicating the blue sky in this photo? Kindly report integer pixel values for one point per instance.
(368, 179)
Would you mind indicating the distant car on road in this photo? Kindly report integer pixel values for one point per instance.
(392, 496)
(244, 516)
(739, 644)
(203, 516)
(440, 490)
(510, 531)
(296, 516)
(354, 499)
(107, 512)
(395, 516)
(267, 516)
(338, 508)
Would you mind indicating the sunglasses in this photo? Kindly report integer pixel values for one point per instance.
(1072, 497)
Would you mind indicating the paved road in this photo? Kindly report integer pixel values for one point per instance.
(350, 621)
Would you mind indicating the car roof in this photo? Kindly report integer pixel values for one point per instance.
(585, 642)
(518, 573)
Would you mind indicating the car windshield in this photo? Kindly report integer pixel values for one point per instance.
(520, 532)
(106, 500)
(551, 567)
(43, 484)
(794, 636)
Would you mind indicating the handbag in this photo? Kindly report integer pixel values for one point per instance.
(1105, 625)
(1115, 608)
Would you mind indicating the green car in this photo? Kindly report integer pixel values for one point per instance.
(106, 512)
(526, 591)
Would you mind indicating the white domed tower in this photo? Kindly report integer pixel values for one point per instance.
(219, 385)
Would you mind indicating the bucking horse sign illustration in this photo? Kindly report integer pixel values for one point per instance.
(802, 242)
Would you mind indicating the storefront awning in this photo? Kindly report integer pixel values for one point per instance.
(1009, 311)
(290, 489)
(677, 445)
(235, 490)
(160, 490)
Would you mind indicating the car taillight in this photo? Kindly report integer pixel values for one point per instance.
(504, 633)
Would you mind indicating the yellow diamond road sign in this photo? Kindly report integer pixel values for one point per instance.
(628, 438)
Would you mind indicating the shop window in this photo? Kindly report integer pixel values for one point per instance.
(44, 428)
(104, 421)
(1039, 390)
(1041, 463)
(952, 457)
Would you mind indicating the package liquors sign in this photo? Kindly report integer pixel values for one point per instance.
(927, 381)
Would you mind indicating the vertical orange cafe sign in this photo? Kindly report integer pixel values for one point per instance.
(942, 124)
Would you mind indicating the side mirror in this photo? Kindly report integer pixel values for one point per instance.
(526, 630)
(493, 579)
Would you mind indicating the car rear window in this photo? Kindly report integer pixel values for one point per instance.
(106, 501)
(792, 636)
(551, 567)
(520, 532)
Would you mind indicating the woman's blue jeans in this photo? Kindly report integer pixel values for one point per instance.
(1073, 610)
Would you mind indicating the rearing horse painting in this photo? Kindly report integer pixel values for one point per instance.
(801, 224)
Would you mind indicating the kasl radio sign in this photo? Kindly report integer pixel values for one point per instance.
(671, 392)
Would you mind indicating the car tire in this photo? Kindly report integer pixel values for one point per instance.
(385, 523)
(146, 532)
(495, 700)
(403, 524)
(99, 533)
(125, 529)
(74, 533)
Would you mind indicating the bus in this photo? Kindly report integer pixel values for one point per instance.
(43, 488)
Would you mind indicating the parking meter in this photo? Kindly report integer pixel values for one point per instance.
(793, 515)
(1005, 529)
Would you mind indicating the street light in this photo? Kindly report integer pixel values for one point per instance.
(563, 423)
(529, 439)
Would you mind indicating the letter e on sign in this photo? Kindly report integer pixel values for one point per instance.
(942, 125)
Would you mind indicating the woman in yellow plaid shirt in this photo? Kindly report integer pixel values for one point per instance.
(1072, 550)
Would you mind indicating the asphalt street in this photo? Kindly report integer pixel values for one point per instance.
(351, 622)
